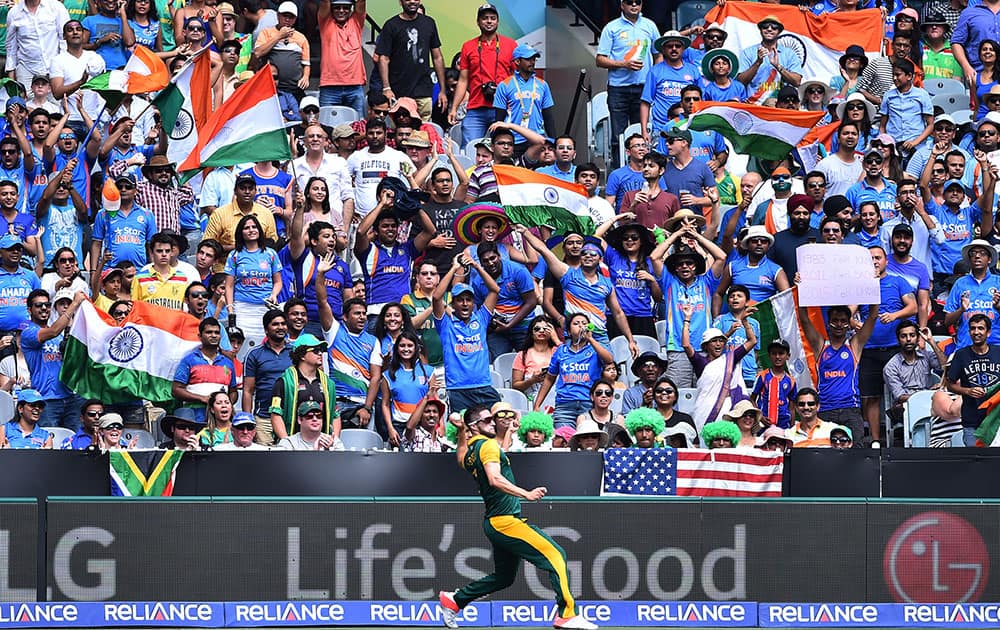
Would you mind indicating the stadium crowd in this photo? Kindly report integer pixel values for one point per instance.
(375, 280)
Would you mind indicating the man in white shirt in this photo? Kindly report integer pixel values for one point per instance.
(371, 165)
(244, 430)
(310, 436)
(331, 167)
(71, 69)
(843, 168)
(33, 37)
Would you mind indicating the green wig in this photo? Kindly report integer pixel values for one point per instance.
(644, 417)
(535, 421)
(720, 429)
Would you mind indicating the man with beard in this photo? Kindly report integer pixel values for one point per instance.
(664, 83)
(843, 168)
(923, 227)
(517, 299)
(262, 367)
(511, 537)
(442, 208)
(773, 213)
(651, 205)
(815, 186)
(874, 187)
(897, 303)
(914, 272)
(977, 292)
(943, 141)
(766, 66)
(974, 370)
(910, 370)
(799, 232)
(647, 367)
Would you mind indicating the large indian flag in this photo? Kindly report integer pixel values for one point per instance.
(247, 128)
(764, 132)
(533, 199)
(144, 72)
(134, 361)
(778, 317)
(818, 40)
(185, 105)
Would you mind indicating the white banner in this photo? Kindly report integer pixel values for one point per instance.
(836, 274)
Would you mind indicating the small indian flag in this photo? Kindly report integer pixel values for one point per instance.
(778, 317)
(768, 133)
(144, 72)
(135, 361)
(247, 128)
(533, 199)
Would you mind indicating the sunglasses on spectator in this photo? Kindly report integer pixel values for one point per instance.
(806, 403)
(66, 261)
(113, 427)
(540, 329)
(199, 294)
(834, 230)
(937, 171)
(245, 427)
(125, 186)
(95, 414)
(603, 392)
(119, 314)
(9, 151)
(631, 237)
(948, 128)
(41, 305)
(988, 132)
(840, 439)
(504, 413)
(313, 414)
(854, 106)
(873, 159)
(815, 185)
(663, 390)
(185, 427)
(634, 3)
(815, 90)
(781, 178)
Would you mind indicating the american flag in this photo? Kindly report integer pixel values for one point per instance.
(692, 472)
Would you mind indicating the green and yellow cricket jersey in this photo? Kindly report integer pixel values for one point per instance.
(482, 451)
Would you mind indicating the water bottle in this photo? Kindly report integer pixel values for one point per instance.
(15, 393)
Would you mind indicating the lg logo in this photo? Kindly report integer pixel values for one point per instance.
(936, 557)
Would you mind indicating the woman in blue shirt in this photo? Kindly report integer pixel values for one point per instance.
(627, 256)
(870, 221)
(144, 23)
(575, 366)
(253, 278)
(405, 382)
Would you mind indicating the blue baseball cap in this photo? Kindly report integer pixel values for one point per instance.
(524, 51)
(460, 289)
(9, 241)
(30, 396)
(16, 100)
(244, 417)
(948, 184)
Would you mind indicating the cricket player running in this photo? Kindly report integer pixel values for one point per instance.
(511, 536)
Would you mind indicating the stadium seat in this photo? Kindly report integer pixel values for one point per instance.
(646, 344)
(951, 103)
(916, 419)
(597, 112)
(945, 86)
(144, 439)
(59, 434)
(465, 161)
(691, 12)
(361, 440)
(617, 401)
(661, 334)
(685, 399)
(496, 379)
(620, 352)
(333, 115)
(437, 128)
(6, 405)
(455, 133)
(516, 398)
(504, 364)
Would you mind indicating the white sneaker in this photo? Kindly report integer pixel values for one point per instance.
(449, 609)
(576, 622)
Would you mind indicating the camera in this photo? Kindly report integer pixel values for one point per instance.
(489, 90)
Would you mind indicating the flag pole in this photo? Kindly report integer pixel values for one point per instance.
(97, 121)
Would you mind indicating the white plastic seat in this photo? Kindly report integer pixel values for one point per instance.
(59, 434)
(504, 365)
(143, 438)
(685, 399)
(516, 398)
(333, 115)
(917, 419)
(361, 440)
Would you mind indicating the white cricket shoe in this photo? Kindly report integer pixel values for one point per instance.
(449, 609)
(576, 622)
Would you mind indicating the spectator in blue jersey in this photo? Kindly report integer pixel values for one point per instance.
(731, 323)
(517, 299)
(90, 416)
(204, 370)
(23, 430)
(16, 282)
(707, 146)
(42, 345)
(904, 265)
(68, 147)
(118, 147)
(406, 379)
(627, 177)
(868, 230)
(977, 292)
(775, 389)
(626, 50)
(17, 162)
(355, 355)
(576, 365)
(386, 261)
(563, 168)
(298, 268)
(664, 83)
(942, 142)
(585, 288)
(767, 66)
(104, 34)
(720, 67)
(874, 187)
(685, 278)
(274, 192)
(121, 229)
(253, 278)
(62, 212)
(897, 303)
(18, 222)
(626, 254)
(758, 273)
(525, 99)
(837, 359)
(690, 179)
(263, 366)
(463, 334)
(957, 222)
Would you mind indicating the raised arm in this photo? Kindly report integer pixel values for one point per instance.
(557, 267)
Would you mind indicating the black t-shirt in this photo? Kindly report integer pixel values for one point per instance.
(442, 215)
(408, 46)
(969, 369)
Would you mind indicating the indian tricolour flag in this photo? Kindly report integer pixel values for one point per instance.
(144, 72)
(778, 317)
(768, 133)
(135, 361)
(818, 40)
(247, 128)
(186, 104)
(533, 199)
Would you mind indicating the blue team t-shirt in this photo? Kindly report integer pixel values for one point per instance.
(44, 361)
(465, 350)
(575, 372)
(14, 290)
(125, 236)
(634, 295)
(253, 274)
